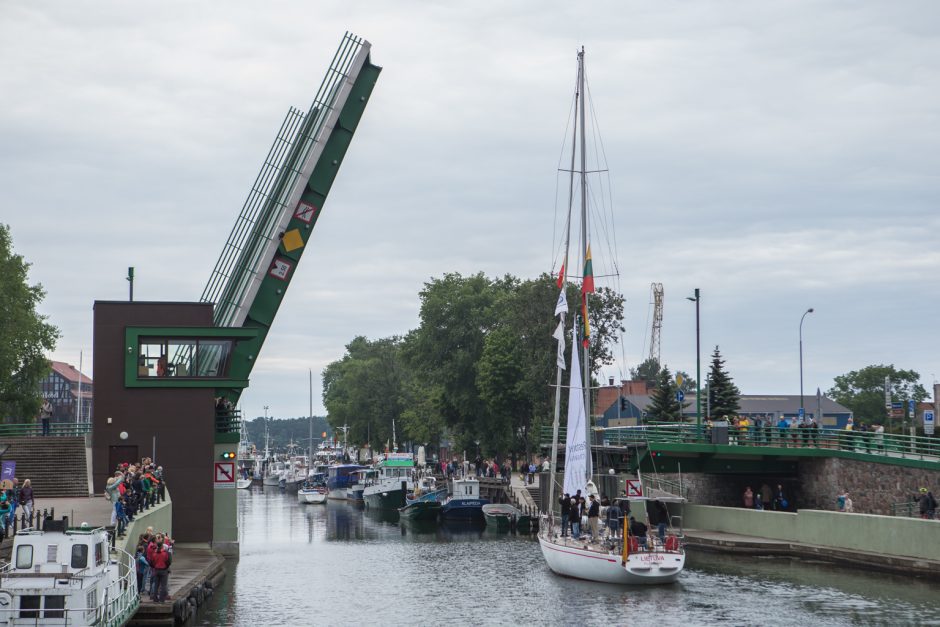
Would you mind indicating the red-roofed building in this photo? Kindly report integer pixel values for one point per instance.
(62, 387)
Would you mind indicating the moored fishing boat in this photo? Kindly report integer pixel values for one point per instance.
(420, 510)
(610, 560)
(339, 479)
(500, 516)
(62, 576)
(309, 493)
(395, 479)
(465, 503)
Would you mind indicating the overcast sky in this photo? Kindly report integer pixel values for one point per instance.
(779, 156)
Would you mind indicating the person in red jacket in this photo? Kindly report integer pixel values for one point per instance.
(160, 558)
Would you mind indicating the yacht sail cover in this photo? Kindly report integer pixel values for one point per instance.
(576, 453)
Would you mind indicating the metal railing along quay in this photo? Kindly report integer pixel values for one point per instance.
(864, 442)
(56, 429)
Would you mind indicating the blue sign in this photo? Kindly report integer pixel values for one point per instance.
(910, 407)
(680, 395)
(8, 471)
(802, 414)
(928, 422)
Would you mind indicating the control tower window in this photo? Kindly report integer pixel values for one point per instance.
(187, 358)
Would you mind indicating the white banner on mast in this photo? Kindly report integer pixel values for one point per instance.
(576, 451)
(559, 335)
(561, 306)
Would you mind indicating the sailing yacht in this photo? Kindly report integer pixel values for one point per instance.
(610, 560)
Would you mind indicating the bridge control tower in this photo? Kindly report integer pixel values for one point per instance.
(161, 367)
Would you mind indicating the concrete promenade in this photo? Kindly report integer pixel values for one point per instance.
(724, 542)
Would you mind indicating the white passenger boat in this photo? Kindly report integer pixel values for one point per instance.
(68, 577)
(243, 484)
(606, 560)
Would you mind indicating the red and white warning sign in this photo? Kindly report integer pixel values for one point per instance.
(305, 212)
(280, 269)
(225, 472)
(634, 487)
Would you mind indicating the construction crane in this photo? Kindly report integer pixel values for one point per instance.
(657, 301)
(259, 259)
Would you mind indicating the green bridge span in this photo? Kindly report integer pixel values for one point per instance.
(688, 448)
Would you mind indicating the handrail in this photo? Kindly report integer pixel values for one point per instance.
(120, 601)
(56, 429)
(866, 442)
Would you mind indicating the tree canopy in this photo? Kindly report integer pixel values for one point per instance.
(25, 336)
(863, 391)
(478, 367)
(664, 406)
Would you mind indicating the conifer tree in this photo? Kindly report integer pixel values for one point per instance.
(723, 394)
(663, 405)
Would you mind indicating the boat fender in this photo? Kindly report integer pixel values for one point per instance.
(672, 543)
(178, 610)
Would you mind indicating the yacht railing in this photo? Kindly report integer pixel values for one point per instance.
(118, 604)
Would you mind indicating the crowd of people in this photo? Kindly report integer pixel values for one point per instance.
(576, 511)
(492, 469)
(133, 489)
(154, 556)
(13, 498)
(783, 431)
(766, 498)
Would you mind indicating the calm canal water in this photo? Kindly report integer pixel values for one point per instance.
(337, 565)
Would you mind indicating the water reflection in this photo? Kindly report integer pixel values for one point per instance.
(296, 557)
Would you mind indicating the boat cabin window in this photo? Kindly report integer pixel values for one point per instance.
(24, 556)
(54, 606)
(29, 605)
(52, 553)
(99, 554)
(79, 556)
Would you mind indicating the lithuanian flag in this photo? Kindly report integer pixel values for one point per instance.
(586, 338)
(587, 286)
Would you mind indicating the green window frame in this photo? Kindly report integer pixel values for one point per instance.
(199, 357)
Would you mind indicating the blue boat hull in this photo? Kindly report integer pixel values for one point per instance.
(463, 509)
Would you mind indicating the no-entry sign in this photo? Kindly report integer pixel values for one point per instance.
(634, 487)
(224, 474)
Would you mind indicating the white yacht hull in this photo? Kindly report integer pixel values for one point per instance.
(310, 496)
(565, 558)
(337, 494)
(243, 484)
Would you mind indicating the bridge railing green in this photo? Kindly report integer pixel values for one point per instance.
(866, 442)
(67, 429)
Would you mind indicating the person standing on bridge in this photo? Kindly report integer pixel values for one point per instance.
(748, 498)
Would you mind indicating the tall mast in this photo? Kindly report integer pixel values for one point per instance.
(310, 425)
(589, 471)
(564, 284)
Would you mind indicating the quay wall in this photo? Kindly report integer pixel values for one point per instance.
(870, 533)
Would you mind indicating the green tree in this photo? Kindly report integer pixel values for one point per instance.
(862, 391)
(649, 370)
(364, 390)
(723, 393)
(25, 336)
(456, 314)
(664, 407)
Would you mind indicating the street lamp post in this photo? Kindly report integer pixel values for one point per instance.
(802, 411)
(698, 364)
